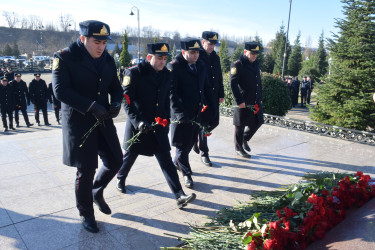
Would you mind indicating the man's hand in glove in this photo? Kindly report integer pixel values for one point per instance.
(114, 109)
(99, 112)
(144, 127)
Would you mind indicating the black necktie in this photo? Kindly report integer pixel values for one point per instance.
(193, 68)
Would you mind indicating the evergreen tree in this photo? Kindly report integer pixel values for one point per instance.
(224, 56)
(278, 51)
(346, 98)
(260, 56)
(268, 64)
(174, 52)
(155, 39)
(125, 57)
(7, 51)
(321, 63)
(237, 52)
(295, 59)
(15, 50)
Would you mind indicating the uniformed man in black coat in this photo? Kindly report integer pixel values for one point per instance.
(21, 99)
(189, 79)
(84, 75)
(56, 103)
(147, 89)
(215, 88)
(305, 86)
(9, 74)
(246, 88)
(295, 86)
(6, 103)
(39, 95)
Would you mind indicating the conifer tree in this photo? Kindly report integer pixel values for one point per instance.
(260, 56)
(346, 98)
(125, 57)
(268, 64)
(295, 59)
(224, 56)
(278, 51)
(7, 51)
(15, 50)
(237, 52)
(115, 50)
(321, 63)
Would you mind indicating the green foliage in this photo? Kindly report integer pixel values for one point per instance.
(346, 98)
(276, 97)
(321, 63)
(295, 59)
(116, 50)
(268, 63)
(260, 56)
(174, 52)
(7, 51)
(278, 49)
(15, 50)
(237, 52)
(224, 56)
(125, 57)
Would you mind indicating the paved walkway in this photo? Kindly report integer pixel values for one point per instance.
(37, 205)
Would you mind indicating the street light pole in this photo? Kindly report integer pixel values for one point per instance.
(286, 40)
(139, 32)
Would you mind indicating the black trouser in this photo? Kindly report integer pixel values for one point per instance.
(24, 114)
(202, 143)
(57, 113)
(308, 96)
(303, 99)
(85, 188)
(166, 164)
(4, 112)
(45, 115)
(244, 133)
(295, 99)
(182, 152)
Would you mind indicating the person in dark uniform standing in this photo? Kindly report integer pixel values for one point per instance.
(6, 103)
(305, 86)
(121, 73)
(311, 87)
(216, 89)
(56, 103)
(246, 86)
(84, 75)
(21, 99)
(38, 92)
(295, 86)
(189, 79)
(9, 74)
(147, 89)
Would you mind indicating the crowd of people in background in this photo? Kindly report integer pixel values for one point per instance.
(302, 89)
(16, 95)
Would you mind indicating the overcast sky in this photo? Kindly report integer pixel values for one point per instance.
(240, 18)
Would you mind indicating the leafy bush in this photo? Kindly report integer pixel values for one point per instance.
(276, 98)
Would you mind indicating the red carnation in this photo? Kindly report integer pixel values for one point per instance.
(204, 108)
(256, 107)
(206, 135)
(19, 107)
(165, 122)
(127, 98)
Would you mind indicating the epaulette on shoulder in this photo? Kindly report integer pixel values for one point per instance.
(133, 67)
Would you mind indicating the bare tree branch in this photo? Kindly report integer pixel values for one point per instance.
(11, 18)
(66, 21)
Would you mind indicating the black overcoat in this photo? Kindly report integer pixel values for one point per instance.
(215, 88)
(38, 92)
(6, 98)
(21, 93)
(148, 96)
(77, 83)
(246, 86)
(52, 97)
(187, 99)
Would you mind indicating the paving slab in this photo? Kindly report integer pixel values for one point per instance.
(37, 204)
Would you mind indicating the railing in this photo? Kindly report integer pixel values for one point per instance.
(313, 127)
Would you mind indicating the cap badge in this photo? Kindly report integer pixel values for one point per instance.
(164, 48)
(196, 45)
(103, 32)
(214, 37)
(256, 49)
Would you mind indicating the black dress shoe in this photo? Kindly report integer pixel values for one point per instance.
(39, 124)
(89, 223)
(5, 129)
(12, 128)
(30, 124)
(188, 181)
(246, 146)
(243, 154)
(47, 124)
(121, 186)
(195, 148)
(206, 161)
(185, 199)
(17, 125)
(102, 205)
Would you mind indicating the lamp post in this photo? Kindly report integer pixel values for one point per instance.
(286, 40)
(139, 32)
